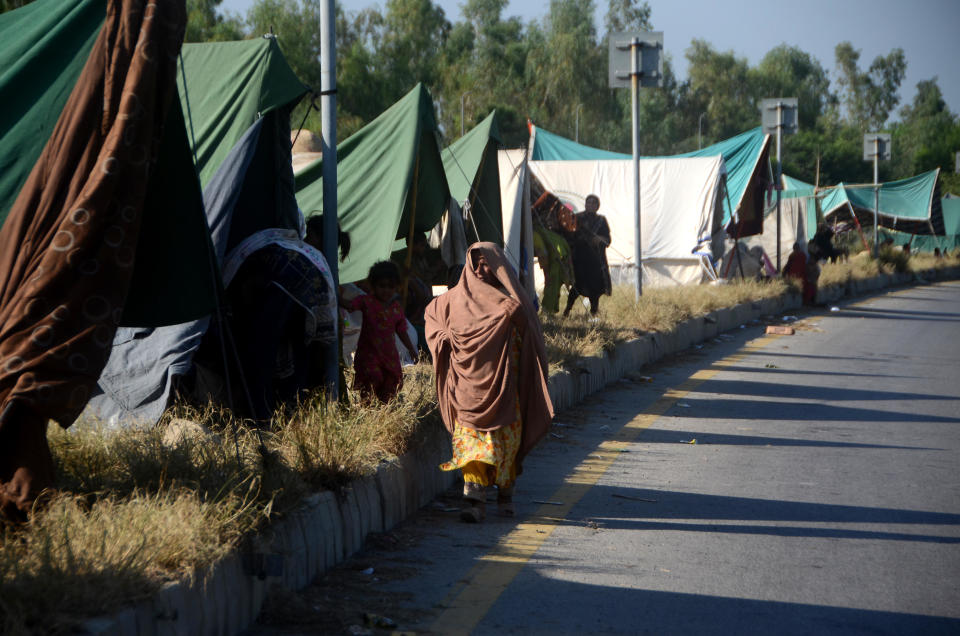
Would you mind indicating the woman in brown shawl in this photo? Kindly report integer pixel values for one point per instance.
(485, 338)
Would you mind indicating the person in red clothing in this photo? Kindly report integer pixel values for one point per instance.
(377, 363)
(797, 267)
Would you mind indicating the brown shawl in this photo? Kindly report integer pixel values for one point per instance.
(67, 248)
(469, 330)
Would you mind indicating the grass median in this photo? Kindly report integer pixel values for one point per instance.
(138, 508)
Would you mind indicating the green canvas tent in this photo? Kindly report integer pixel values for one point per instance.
(470, 164)
(44, 46)
(390, 182)
(745, 156)
(237, 97)
(227, 86)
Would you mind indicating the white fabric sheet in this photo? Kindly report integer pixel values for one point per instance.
(678, 203)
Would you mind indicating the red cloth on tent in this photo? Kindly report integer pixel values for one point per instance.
(68, 246)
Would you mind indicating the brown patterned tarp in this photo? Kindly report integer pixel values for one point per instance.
(68, 246)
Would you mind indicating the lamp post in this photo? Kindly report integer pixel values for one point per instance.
(876, 146)
(635, 61)
(328, 114)
(576, 133)
(700, 130)
(462, 97)
(779, 116)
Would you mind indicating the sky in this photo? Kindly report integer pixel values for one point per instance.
(928, 31)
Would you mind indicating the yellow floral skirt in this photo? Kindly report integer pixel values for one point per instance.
(488, 458)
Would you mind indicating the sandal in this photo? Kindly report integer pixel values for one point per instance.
(473, 512)
(505, 503)
(475, 504)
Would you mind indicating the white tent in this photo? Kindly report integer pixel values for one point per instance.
(681, 204)
(515, 207)
(793, 229)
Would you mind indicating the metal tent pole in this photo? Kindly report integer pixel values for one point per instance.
(328, 110)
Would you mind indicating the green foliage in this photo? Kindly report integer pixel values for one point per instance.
(553, 71)
(869, 96)
(206, 24)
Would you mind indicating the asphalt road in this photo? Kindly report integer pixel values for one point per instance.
(805, 484)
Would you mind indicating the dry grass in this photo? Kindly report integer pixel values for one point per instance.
(621, 318)
(891, 260)
(138, 508)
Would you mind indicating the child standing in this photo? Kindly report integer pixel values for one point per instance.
(377, 363)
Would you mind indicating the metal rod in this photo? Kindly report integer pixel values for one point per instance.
(635, 96)
(331, 233)
(876, 195)
(779, 175)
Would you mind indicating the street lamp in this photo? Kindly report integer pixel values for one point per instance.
(779, 117)
(462, 97)
(576, 134)
(700, 130)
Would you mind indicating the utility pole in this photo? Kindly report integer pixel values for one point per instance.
(876, 146)
(779, 114)
(328, 114)
(646, 69)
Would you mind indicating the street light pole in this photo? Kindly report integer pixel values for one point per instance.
(876, 195)
(779, 172)
(635, 95)
(462, 97)
(328, 115)
(700, 131)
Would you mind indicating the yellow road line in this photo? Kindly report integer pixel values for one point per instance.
(469, 602)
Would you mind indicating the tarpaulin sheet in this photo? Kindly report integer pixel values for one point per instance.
(470, 164)
(679, 204)
(389, 173)
(743, 155)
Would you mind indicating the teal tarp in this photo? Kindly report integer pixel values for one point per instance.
(389, 174)
(743, 155)
(910, 205)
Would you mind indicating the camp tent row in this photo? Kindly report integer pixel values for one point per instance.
(62, 106)
(911, 210)
(689, 202)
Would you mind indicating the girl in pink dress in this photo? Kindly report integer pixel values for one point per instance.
(377, 363)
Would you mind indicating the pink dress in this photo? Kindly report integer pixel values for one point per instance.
(377, 364)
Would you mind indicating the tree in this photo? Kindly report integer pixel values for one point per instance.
(928, 134)
(720, 87)
(627, 15)
(564, 70)
(869, 96)
(413, 35)
(205, 23)
(787, 71)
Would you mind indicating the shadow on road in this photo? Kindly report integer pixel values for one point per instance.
(607, 609)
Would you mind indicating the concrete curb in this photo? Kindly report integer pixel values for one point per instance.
(328, 528)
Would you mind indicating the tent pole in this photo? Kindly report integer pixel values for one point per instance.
(331, 234)
(410, 232)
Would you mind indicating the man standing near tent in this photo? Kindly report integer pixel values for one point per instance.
(589, 250)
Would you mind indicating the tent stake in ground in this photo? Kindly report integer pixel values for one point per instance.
(779, 115)
(646, 69)
(875, 147)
